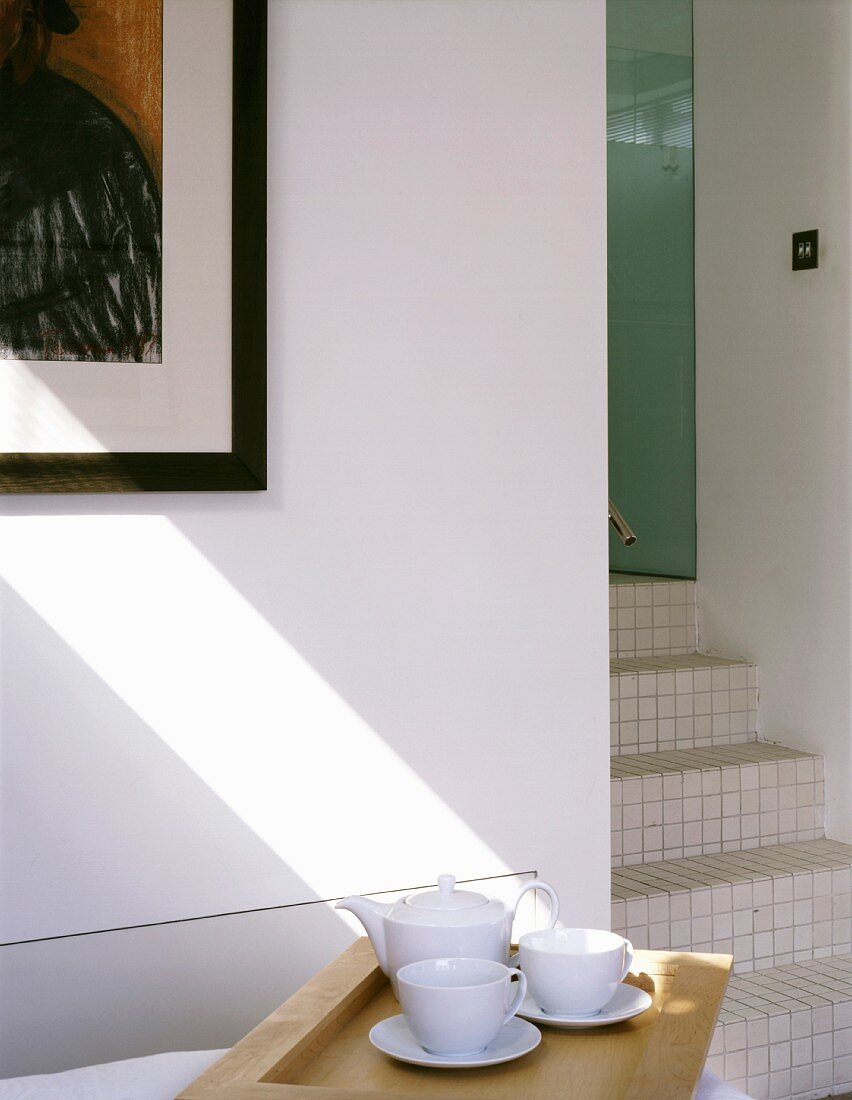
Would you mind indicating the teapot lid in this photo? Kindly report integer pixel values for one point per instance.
(446, 897)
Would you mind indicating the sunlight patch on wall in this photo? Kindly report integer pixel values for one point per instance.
(192, 657)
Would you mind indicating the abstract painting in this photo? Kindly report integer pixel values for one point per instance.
(80, 178)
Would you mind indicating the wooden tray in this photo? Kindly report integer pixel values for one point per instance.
(315, 1046)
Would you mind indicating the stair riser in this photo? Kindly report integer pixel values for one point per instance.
(691, 813)
(766, 923)
(687, 708)
(805, 1067)
(648, 620)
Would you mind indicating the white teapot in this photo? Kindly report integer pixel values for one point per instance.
(442, 923)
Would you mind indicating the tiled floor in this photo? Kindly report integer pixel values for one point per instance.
(700, 801)
(676, 702)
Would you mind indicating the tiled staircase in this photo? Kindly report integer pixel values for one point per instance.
(718, 844)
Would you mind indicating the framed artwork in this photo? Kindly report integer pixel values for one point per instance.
(132, 245)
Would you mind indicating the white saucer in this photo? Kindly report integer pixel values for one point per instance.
(627, 1002)
(392, 1036)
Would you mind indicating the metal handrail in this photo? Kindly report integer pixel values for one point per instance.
(621, 526)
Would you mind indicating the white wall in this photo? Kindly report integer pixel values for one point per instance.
(393, 663)
(772, 96)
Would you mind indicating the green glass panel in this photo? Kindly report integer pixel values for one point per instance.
(651, 284)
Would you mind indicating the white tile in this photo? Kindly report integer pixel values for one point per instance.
(722, 926)
(681, 934)
(625, 595)
(680, 906)
(779, 1029)
(735, 1037)
(637, 911)
(721, 899)
(842, 1069)
(762, 892)
(822, 1046)
(802, 1051)
(801, 1080)
(735, 1065)
(779, 1085)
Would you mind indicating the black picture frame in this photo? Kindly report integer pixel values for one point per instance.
(244, 466)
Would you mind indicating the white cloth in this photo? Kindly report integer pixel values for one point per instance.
(162, 1076)
(711, 1087)
(157, 1077)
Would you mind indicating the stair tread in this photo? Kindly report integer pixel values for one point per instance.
(821, 982)
(620, 666)
(646, 578)
(784, 1031)
(749, 865)
(702, 759)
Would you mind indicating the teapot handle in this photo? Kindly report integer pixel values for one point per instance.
(537, 884)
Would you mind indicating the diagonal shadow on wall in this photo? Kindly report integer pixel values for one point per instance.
(101, 826)
(85, 783)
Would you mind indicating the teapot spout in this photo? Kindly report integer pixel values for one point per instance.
(372, 915)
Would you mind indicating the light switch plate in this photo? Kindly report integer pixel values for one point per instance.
(805, 249)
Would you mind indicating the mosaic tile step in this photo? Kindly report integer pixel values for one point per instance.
(786, 1033)
(767, 906)
(681, 702)
(616, 579)
(650, 615)
(688, 802)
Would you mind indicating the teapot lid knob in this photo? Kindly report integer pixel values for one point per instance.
(446, 897)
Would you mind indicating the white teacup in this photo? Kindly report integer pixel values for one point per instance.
(457, 1006)
(574, 971)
